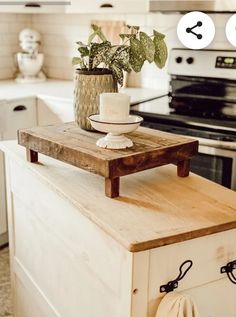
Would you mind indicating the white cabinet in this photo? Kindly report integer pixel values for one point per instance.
(17, 114)
(53, 110)
(14, 115)
(76, 6)
(110, 6)
(35, 6)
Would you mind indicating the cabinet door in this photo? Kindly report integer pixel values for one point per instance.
(18, 114)
(215, 299)
(52, 111)
(110, 6)
(35, 6)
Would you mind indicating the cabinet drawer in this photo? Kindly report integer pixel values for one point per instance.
(110, 6)
(208, 254)
(18, 114)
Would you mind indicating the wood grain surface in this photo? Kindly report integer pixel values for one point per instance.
(70, 144)
(155, 207)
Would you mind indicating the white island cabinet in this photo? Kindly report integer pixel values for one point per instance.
(75, 252)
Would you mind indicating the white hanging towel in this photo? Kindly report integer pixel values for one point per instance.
(176, 304)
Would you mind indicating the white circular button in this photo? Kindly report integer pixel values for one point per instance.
(196, 30)
(230, 30)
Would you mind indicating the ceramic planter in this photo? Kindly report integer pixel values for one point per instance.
(88, 86)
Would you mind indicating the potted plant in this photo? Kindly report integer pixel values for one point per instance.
(102, 65)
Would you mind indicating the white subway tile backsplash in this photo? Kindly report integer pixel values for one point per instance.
(6, 73)
(10, 26)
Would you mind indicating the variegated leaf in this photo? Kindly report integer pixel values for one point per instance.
(158, 35)
(137, 55)
(99, 53)
(84, 51)
(117, 73)
(148, 46)
(161, 52)
(78, 61)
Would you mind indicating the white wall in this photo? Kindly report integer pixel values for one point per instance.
(10, 26)
(60, 32)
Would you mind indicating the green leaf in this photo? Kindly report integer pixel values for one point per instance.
(161, 52)
(128, 36)
(137, 55)
(99, 53)
(148, 46)
(117, 73)
(120, 55)
(133, 27)
(84, 51)
(91, 37)
(78, 61)
(158, 35)
(97, 32)
(122, 36)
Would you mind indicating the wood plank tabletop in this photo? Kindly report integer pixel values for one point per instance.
(70, 144)
(155, 207)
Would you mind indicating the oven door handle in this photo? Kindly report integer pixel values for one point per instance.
(214, 143)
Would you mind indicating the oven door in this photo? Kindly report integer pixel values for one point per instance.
(213, 161)
(218, 165)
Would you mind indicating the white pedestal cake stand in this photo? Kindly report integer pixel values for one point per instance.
(115, 138)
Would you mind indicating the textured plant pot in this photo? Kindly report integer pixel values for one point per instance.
(88, 86)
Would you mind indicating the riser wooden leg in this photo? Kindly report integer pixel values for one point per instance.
(112, 187)
(183, 168)
(31, 156)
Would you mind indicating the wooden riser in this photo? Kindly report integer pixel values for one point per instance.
(70, 144)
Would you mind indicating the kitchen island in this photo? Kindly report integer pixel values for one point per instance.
(75, 252)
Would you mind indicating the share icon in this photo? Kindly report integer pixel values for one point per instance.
(196, 30)
(190, 30)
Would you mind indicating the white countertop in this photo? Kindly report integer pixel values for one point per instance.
(10, 90)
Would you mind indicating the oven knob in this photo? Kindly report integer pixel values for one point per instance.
(179, 60)
(190, 60)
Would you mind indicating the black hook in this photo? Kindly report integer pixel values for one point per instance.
(171, 285)
(228, 269)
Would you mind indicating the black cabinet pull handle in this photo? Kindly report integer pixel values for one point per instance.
(32, 5)
(20, 108)
(106, 5)
(228, 269)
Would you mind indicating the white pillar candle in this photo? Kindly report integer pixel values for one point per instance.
(114, 107)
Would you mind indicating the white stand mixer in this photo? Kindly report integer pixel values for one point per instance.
(30, 61)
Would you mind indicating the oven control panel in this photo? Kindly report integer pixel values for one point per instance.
(225, 62)
(203, 63)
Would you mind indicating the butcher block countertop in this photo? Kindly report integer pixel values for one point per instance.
(155, 207)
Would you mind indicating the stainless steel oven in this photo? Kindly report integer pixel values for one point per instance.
(201, 104)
